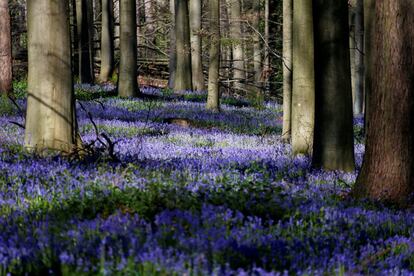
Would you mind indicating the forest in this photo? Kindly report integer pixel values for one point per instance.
(206, 137)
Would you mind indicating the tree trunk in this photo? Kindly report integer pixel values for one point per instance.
(369, 25)
(287, 68)
(352, 47)
(387, 173)
(303, 89)
(50, 118)
(107, 40)
(333, 146)
(359, 58)
(5, 49)
(150, 25)
(172, 63)
(183, 71)
(213, 99)
(127, 82)
(85, 44)
(266, 63)
(239, 73)
(257, 53)
(196, 57)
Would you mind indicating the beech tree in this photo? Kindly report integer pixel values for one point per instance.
(239, 73)
(127, 81)
(50, 117)
(303, 84)
(84, 20)
(196, 57)
(213, 98)
(183, 71)
(172, 62)
(387, 171)
(5, 49)
(287, 68)
(107, 40)
(333, 146)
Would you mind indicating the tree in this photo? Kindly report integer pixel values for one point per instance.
(172, 62)
(107, 40)
(50, 118)
(5, 49)
(213, 99)
(369, 25)
(183, 71)
(84, 15)
(196, 57)
(257, 52)
(387, 171)
(333, 146)
(303, 88)
(239, 73)
(359, 58)
(287, 68)
(127, 82)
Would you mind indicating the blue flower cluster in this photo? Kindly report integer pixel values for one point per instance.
(221, 196)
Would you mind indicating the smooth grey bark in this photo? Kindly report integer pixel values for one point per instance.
(303, 84)
(50, 116)
(333, 145)
(183, 71)
(359, 58)
(107, 40)
(196, 57)
(127, 81)
(287, 68)
(213, 98)
(257, 53)
(84, 20)
(239, 73)
(172, 62)
(6, 75)
(352, 47)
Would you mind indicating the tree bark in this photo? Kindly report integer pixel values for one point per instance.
(172, 63)
(107, 41)
(369, 25)
(213, 99)
(127, 82)
(85, 44)
(6, 77)
(257, 53)
(50, 117)
(196, 57)
(183, 71)
(287, 68)
(387, 172)
(239, 73)
(333, 146)
(303, 88)
(359, 58)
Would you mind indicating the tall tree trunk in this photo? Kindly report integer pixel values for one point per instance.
(213, 99)
(50, 118)
(196, 57)
(369, 25)
(387, 173)
(85, 44)
(127, 82)
(303, 88)
(239, 73)
(172, 62)
(5, 49)
(359, 58)
(287, 68)
(257, 53)
(107, 40)
(183, 71)
(352, 47)
(333, 146)
(266, 63)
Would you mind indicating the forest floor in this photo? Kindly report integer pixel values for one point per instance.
(172, 189)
